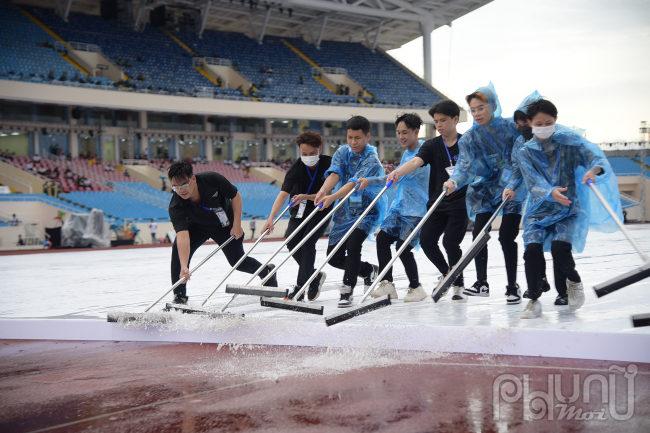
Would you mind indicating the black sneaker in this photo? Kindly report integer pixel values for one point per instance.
(294, 292)
(346, 296)
(478, 289)
(545, 288)
(513, 294)
(180, 299)
(273, 281)
(562, 300)
(367, 281)
(314, 288)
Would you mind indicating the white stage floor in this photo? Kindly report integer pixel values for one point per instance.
(44, 294)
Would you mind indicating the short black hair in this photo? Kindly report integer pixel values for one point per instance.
(412, 120)
(541, 106)
(520, 115)
(358, 123)
(446, 107)
(181, 169)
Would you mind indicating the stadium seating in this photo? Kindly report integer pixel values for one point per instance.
(624, 166)
(22, 57)
(117, 205)
(389, 83)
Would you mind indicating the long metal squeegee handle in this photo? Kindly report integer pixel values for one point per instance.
(618, 222)
(182, 280)
(239, 262)
(403, 247)
(347, 235)
(277, 251)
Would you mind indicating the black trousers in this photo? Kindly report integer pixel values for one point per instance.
(348, 258)
(233, 252)
(564, 267)
(507, 234)
(306, 255)
(454, 227)
(384, 241)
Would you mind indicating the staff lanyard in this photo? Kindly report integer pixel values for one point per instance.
(310, 176)
(447, 149)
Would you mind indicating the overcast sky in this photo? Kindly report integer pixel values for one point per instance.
(591, 58)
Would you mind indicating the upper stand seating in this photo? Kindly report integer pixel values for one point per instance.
(386, 81)
(22, 51)
(624, 166)
(166, 66)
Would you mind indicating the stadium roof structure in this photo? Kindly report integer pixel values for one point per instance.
(383, 24)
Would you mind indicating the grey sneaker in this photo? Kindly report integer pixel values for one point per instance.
(576, 294)
(533, 310)
(385, 288)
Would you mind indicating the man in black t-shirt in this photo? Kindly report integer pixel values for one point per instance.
(303, 180)
(205, 206)
(450, 217)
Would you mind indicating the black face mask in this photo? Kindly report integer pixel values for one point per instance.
(526, 131)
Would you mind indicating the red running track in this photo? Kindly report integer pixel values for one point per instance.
(182, 387)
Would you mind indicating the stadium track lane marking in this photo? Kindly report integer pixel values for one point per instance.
(92, 418)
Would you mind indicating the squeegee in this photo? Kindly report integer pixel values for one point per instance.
(303, 307)
(115, 317)
(199, 309)
(476, 247)
(384, 301)
(630, 277)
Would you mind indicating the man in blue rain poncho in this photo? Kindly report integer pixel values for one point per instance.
(404, 214)
(523, 126)
(485, 166)
(555, 165)
(350, 163)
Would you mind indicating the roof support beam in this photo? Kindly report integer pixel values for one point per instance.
(266, 21)
(205, 17)
(322, 32)
(356, 10)
(311, 34)
(59, 9)
(250, 21)
(374, 44)
(66, 13)
(426, 28)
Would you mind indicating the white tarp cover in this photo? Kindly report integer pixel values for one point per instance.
(82, 230)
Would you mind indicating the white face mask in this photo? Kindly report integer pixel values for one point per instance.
(310, 160)
(544, 132)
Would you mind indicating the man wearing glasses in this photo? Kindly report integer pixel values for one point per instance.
(205, 206)
(485, 167)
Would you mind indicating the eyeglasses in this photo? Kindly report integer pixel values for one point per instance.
(181, 187)
(478, 109)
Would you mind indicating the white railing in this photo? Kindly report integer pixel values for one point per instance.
(82, 46)
(60, 47)
(135, 162)
(204, 92)
(625, 145)
(333, 70)
(200, 61)
(627, 197)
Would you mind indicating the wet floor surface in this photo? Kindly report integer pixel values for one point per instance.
(183, 387)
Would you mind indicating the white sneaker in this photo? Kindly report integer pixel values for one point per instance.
(415, 295)
(533, 310)
(458, 297)
(346, 296)
(576, 294)
(440, 279)
(385, 288)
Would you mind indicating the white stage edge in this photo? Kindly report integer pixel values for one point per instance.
(486, 340)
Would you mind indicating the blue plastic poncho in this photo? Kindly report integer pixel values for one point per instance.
(351, 167)
(562, 162)
(410, 204)
(484, 163)
(516, 179)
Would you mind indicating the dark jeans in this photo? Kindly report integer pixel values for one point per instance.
(306, 255)
(384, 241)
(563, 267)
(233, 252)
(454, 227)
(351, 263)
(507, 234)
